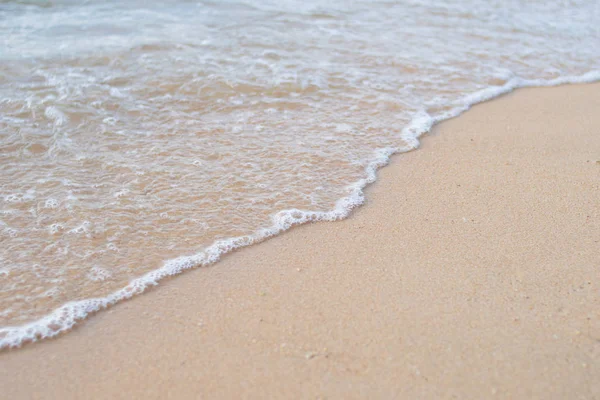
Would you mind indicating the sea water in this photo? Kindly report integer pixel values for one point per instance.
(139, 139)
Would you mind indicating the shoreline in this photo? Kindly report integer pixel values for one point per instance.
(63, 319)
(264, 306)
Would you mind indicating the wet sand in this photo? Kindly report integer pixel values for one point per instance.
(472, 272)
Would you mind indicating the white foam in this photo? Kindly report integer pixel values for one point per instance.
(97, 273)
(56, 115)
(55, 228)
(13, 198)
(65, 317)
(83, 228)
(51, 203)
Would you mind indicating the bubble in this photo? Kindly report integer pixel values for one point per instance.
(98, 274)
(51, 203)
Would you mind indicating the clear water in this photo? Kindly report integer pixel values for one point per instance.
(136, 139)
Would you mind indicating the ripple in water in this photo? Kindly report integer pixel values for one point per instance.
(134, 135)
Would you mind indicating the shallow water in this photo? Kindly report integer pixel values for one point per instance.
(134, 135)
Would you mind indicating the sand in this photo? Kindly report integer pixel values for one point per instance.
(472, 272)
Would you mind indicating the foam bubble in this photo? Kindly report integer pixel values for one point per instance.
(13, 198)
(56, 115)
(97, 273)
(51, 203)
(121, 193)
(83, 228)
(55, 228)
(11, 232)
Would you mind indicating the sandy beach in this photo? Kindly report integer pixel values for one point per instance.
(472, 272)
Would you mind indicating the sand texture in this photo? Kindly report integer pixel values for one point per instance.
(472, 272)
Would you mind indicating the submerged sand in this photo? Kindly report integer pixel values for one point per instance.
(472, 272)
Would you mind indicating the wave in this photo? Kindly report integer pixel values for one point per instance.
(67, 316)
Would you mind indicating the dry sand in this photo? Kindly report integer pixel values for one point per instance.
(472, 272)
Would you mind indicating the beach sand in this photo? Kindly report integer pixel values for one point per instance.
(472, 272)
